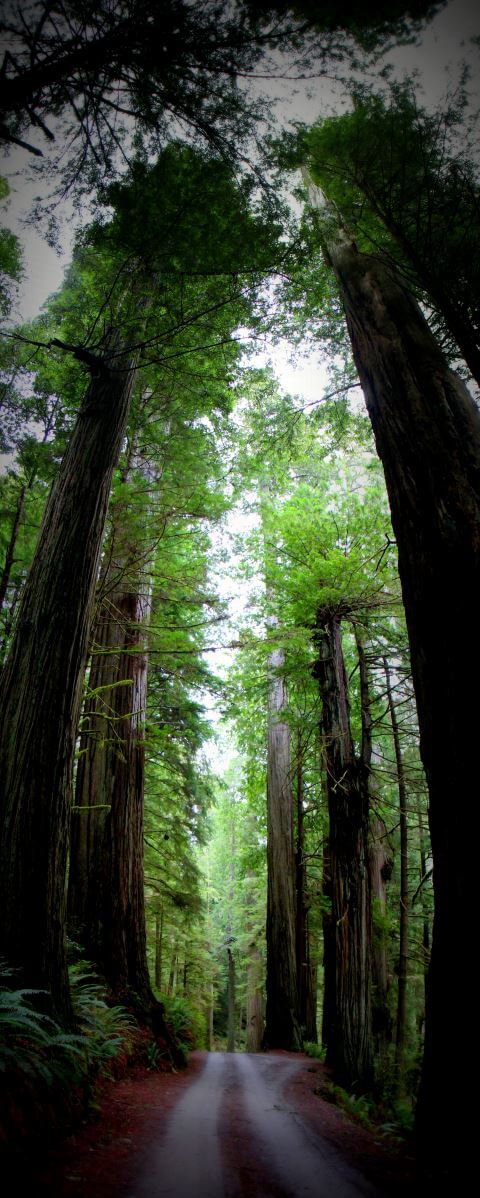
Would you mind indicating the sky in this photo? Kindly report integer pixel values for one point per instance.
(436, 58)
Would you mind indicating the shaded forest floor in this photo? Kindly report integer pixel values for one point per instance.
(104, 1155)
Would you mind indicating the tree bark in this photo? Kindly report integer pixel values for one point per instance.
(106, 888)
(301, 907)
(282, 1028)
(41, 683)
(461, 325)
(255, 1005)
(379, 867)
(311, 1030)
(255, 1001)
(349, 1048)
(158, 948)
(427, 431)
(328, 930)
(401, 1029)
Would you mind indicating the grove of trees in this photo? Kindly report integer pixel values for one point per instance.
(180, 535)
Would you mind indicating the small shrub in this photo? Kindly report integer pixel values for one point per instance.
(185, 1022)
(316, 1051)
(107, 1031)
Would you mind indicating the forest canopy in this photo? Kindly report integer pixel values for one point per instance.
(237, 755)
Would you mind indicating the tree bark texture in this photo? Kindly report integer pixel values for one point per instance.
(255, 988)
(301, 905)
(255, 1004)
(462, 324)
(158, 948)
(380, 868)
(349, 1049)
(401, 1029)
(41, 686)
(328, 931)
(427, 431)
(106, 887)
(282, 1029)
(311, 1030)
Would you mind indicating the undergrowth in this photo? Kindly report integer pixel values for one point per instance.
(391, 1117)
(48, 1074)
(185, 1022)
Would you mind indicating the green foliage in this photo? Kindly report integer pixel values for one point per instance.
(185, 1021)
(406, 183)
(33, 1043)
(106, 1030)
(36, 1047)
(360, 1107)
(317, 1051)
(10, 259)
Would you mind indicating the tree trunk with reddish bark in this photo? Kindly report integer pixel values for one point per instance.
(282, 1027)
(255, 1000)
(401, 1029)
(106, 886)
(42, 682)
(301, 911)
(379, 867)
(427, 431)
(349, 1047)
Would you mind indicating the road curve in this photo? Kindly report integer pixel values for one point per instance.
(233, 1135)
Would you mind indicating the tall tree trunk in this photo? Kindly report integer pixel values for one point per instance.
(311, 988)
(106, 889)
(158, 948)
(401, 1030)
(172, 977)
(255, 1005)
(41, 683)
(423, 871)
(462, 327)
(255, 1002)
(350, 1050)
(282, 1028)
(427, 431)
(379, 867)
(301, 911)
(329, 970)
(231, 1002)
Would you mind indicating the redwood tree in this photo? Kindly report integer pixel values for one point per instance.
(282, 1027)
(106, 886)
(349, 1044)
(41, 687)
(427, 432)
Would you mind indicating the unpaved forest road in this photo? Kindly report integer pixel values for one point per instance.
(233, 1134)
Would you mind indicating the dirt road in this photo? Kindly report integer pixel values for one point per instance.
(233, 1134)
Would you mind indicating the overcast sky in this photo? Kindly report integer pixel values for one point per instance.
(436, 58)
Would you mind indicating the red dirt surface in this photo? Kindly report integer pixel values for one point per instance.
(103, 1157)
